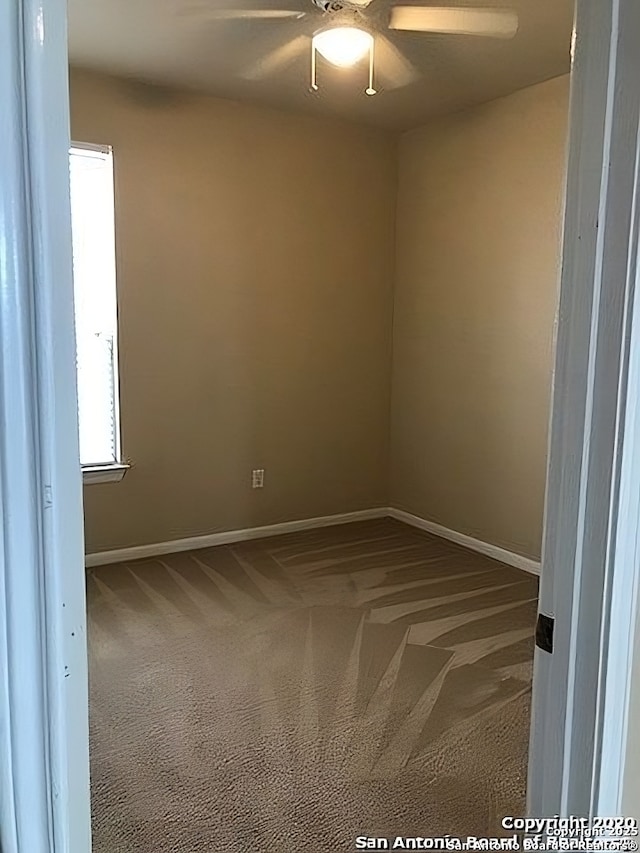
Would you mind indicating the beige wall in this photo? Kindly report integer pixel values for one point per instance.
(255, 268)
(255, 276)
(477, 270)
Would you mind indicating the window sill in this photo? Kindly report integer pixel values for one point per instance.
(104, 473)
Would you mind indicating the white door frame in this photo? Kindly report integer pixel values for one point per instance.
(592, 515)
(44, 769)
(589, 564)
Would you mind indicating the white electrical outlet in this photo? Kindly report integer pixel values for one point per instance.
(257, 478)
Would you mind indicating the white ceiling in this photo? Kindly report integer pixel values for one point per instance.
(158, 42)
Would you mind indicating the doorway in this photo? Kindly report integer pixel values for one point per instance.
(574, 669)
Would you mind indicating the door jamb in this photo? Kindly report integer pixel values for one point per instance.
(44, 738)
(589, 575)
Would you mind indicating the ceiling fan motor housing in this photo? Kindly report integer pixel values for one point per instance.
(339, 5)
(329, 5)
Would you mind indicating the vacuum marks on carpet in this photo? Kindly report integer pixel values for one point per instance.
(291, 693)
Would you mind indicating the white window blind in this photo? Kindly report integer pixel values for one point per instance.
(94, 275)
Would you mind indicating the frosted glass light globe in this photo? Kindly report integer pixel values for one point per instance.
(343, 46)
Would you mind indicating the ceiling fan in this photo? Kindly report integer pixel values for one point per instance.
(346, 31)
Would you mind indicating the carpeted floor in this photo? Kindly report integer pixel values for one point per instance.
(291, 693)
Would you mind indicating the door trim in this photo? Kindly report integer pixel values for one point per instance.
(44, 763)
(587, 582)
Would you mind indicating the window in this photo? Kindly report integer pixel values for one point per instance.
(94, 275)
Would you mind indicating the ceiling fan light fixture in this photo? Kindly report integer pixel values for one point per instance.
(343, 46)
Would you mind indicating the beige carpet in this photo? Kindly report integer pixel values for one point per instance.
(288, 694)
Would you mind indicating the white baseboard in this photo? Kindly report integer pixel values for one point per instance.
(501, 554)
(210, 540)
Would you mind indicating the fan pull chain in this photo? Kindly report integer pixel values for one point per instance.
(314, 84)
(370, 90)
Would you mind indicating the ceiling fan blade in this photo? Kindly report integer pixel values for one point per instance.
(497, 23)
(278, 58)
(392, 67)
(204, 11)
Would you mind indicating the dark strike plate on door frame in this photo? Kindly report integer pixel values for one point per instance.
(544, 632)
